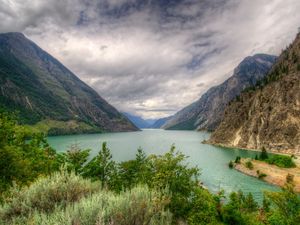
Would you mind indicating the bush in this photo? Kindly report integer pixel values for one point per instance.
(59, 189)
(203, 208)
(262, 175)
(240, 210)
(249, 165)
(138, 206)
(75, 158)
(263, 154)
(289, 178)
(281, 161)
(23, 160)
(230, 164)
(286, 206)
(238, 159)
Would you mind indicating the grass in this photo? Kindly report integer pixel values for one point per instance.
(69, 199)
(282, 161)
(54, 127)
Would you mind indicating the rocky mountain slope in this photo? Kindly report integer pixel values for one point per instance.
(267, 115)
(46, 93)
(207, 112)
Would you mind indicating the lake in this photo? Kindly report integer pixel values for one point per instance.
(213, 161)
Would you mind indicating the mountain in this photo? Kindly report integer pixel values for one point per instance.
(160, 122)
(267, 115)
(207, 112)
(137, 120)
(150, 121)
(48, 95)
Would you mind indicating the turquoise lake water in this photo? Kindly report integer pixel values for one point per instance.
(213, 161)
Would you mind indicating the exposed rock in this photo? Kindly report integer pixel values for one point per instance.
(207, 112)
(269, 115)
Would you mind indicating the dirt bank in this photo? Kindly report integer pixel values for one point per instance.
(275, 175)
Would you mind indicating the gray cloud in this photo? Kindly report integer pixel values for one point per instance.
(153, 57)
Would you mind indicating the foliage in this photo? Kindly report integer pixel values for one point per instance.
(136, 171)
(61, 188)
(286, 207)
(169, 171)
(261, 175)
(240, 209)
(249, 165)
(230, 164)
(203, 209)
(281, 161)
(155, 189)
(237, 159)
(75, 158)
(22, 161)
(263, 155)
(101, 167)
(91, 205)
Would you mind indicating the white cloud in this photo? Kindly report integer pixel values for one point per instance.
(149, 58)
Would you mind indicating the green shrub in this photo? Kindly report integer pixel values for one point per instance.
(138, 206)
(281, 161)
(286, 207)
(75, 158)
(262, 175)
(22, 161)
(203, 208)
(240, 210)
(59, 189)
(249, 165)
(230, 164)
(264, 154)
(237, 159)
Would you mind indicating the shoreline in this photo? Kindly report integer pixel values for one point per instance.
(250, 149)
(274, 175)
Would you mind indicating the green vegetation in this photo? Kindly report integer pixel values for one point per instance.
(54, 127)
(281, 161)
(65, 198)
(249, 165)
(261, 175)
(263, 154)
(230, 164)
(237, 159)
(40, 186)
(278, 160)
(22, 161)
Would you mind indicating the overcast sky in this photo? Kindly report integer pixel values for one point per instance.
(153, 57)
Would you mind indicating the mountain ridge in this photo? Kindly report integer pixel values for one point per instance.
(207, 112)
(268, 115)
(41, 88)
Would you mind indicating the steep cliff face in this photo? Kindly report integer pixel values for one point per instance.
(269, 114)
(207, 112)
(41, 88)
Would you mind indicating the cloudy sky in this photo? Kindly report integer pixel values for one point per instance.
(153, 57)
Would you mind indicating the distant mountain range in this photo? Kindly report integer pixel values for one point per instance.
(207, 112)
(137, 120)
(146, 123)
(49, 96)
(267, 115)
(160, 122)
